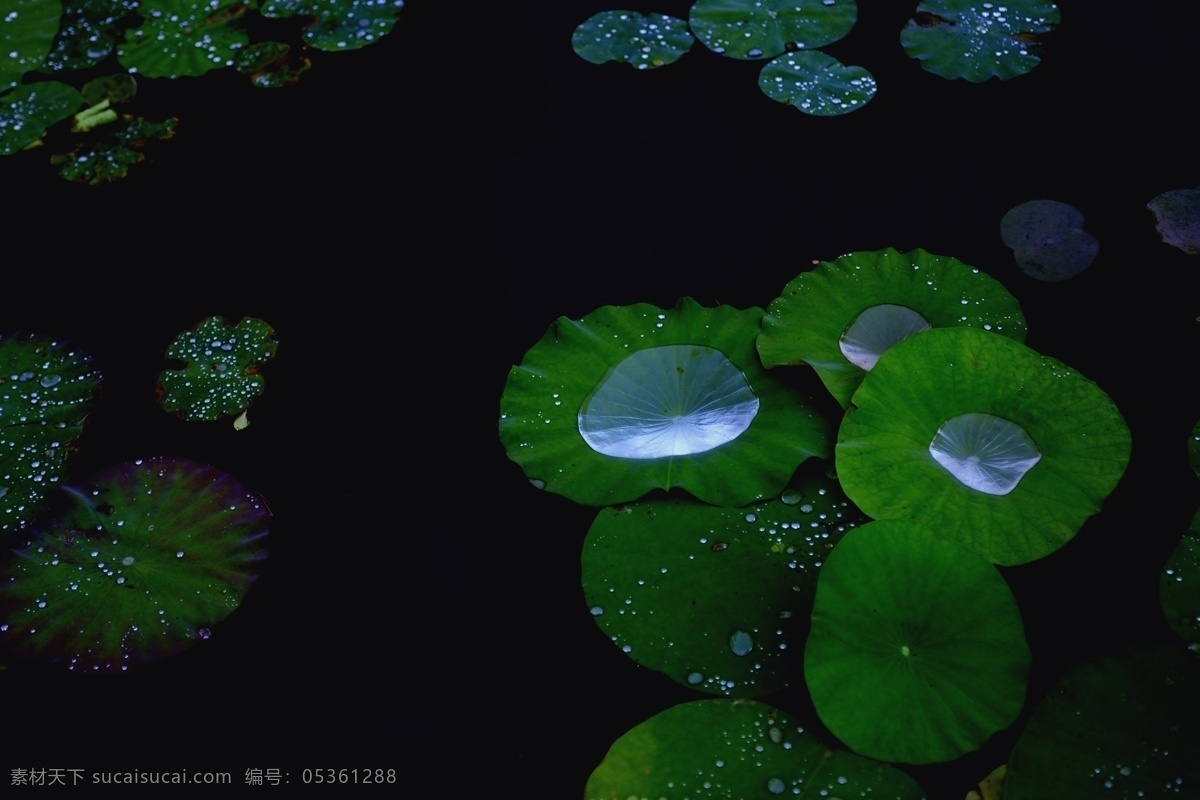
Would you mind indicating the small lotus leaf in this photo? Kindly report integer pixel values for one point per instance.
(27, 29)
(184, 37)
(119, 88)
(1177, 218)
(978, 40)
(917, 652)
(88, 33)
(1179, 587)
(759, 29)
(47, 390)
(540, 420)
(220, 373)
(1121, 727)
(816, 83)
(886, 464)
(807, 322)
(737, 749)
(138, 564)
(644, 41)
(718, 599)
(268, 67)
(340, 24)
(27, 111)
(1048, 239)
(109, 159)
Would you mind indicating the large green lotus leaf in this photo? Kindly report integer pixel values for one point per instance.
(718, 599)
(817, 318)
(917, 652)
(141, 561)
(47, 390)
(736, 749)
(27, 29)
(1048, 239)
(1177, 218)
(753, 29)
(340, 24)
(667, 398)
(220, 369)
(27, 111)
(184, 37)
(816, 83)
(87, 33)
(1179, 586)
(897, 459)
(978, 40)
(645, 41)
(1122, 727)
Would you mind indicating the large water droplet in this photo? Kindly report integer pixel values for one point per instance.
(741, 643)
(984, 452)
(876, 329)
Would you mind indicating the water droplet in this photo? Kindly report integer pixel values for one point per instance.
(741, 643)
(597, 611)
(775, 786)
(791, 497)
(694, 677)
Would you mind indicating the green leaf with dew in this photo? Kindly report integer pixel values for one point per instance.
(644, 41)
(978, 40)
(29, 110)
(340, 24)
(110, 158)
(184, 37)
(760, 29)
(1179, 587)
(268, 66)
(816, 83)
(88, 32)
(27, 29)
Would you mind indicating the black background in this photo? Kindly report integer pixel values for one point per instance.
(613, 186)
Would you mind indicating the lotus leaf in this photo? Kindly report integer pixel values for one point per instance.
(816, 83)
(737, 749)
(886, 293)
(644, 41)
(1120, 726)
(1179, 586)
(978, 40)
(889, 443)
(267, 66)
(27, 111)
(221, 365)
(47, 390)
(119, 88)
(718, 599)
(1048, 240)
(635, 398)
(759, 29)
(917, 652)
(110, 159)
(340, 24)
(184, 37)
(87, 33)
(27, 30)
(138, 564)
(1177, 218)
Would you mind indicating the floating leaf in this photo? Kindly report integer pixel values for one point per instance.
(183, 37)
(27, 29)
(630, 399)
(120, 88)
(1179, 587)
(752, 29)
(917, 652)
(979, 40)
(88, 31)
(1121, 727)
(986, 441)
(1177, 218)
(718, 599)
(109, 159)
(47, 389)
(735, 749)
(340, 24)
(643, 41)
(841, 316)
(141, 561)
(1048, 239)
(220, 369)
(27, 111)
(816, 83)
(267, 66)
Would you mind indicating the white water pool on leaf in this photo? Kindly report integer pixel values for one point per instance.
(876, 329)
(984, 452)
(676, 400)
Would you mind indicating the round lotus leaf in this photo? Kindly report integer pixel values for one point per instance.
(754, 29)
(1048, 239)
(27, 29)
(718, 599)
(86, 34)
(984, 440)
(736, 749)
(1121, 727)
(109, 159)
(1179, 587)
(917, 652)
(183, 37)
(816, 83)
(979, 40)
(47, 390)
(138, 563)
(645, 41)
(634, 398)
(1177, 218)
(840, 316)
(28, 110)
